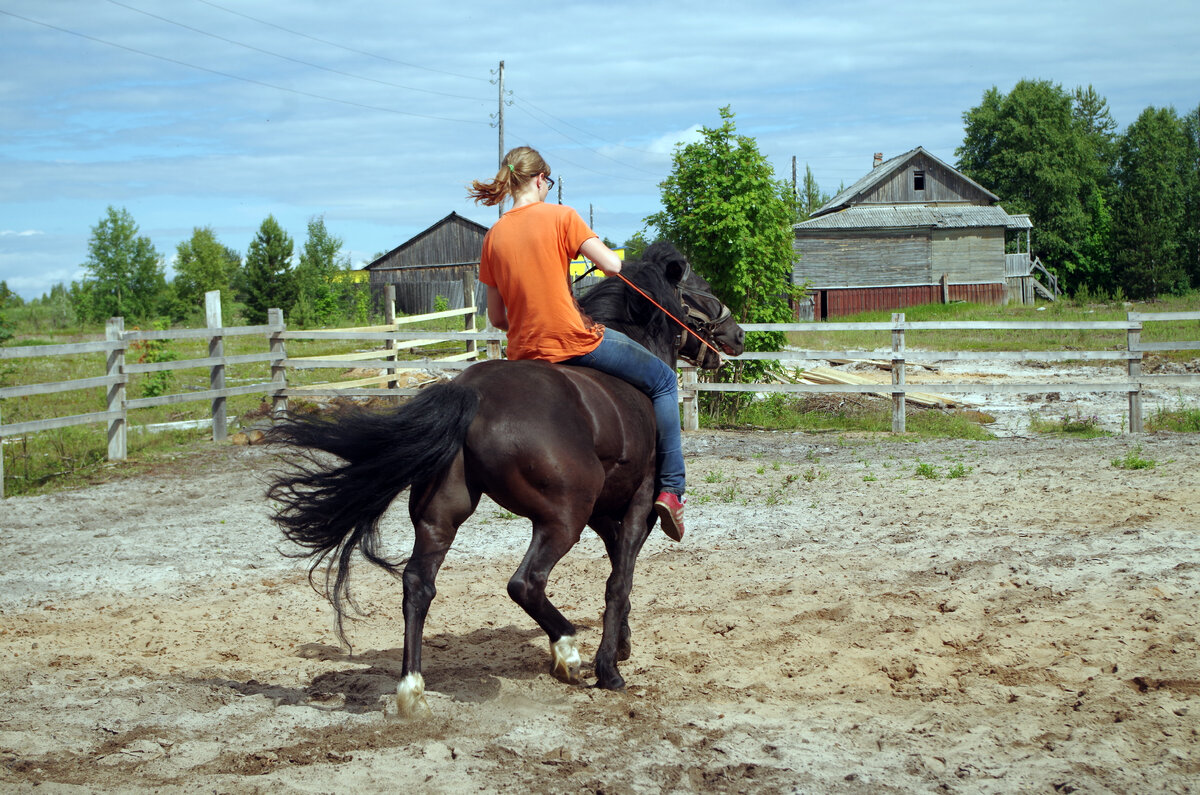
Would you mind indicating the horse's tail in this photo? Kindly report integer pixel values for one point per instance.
(332, 507)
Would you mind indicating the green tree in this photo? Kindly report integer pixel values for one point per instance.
(724, 208)
(636, 246)
(1191, 197)
(1093, 115)
(125, 272)
(203, 264)
(267, 279)
(1035, 150)
(1151, 174)
(319, 286)
(809, 197)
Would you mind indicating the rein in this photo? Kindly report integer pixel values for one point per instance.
(683, 325)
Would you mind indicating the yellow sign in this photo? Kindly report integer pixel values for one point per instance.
(579, 266)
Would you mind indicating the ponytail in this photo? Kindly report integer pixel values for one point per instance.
(518, 167)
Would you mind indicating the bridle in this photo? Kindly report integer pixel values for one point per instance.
(705, 324)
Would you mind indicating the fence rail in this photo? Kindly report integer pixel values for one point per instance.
(391, 340)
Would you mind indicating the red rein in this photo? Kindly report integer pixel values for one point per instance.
(668, 314)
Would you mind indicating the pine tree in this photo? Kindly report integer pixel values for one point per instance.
(267, 278)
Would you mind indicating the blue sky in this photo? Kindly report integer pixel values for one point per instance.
(375, 115)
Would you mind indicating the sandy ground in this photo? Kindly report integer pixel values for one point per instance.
(1025, 620)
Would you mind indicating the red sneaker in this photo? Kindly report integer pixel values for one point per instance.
(669, 508)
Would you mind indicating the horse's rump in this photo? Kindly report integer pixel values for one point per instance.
(557, 429)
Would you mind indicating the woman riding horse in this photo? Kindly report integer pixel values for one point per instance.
(566, 447)
(524, 265)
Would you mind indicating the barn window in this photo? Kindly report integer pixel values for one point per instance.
(918, 180)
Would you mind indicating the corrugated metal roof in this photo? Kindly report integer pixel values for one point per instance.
(946, 216)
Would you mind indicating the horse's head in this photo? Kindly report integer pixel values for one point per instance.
(703, 312)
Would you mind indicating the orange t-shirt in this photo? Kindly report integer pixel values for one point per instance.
(525, 256)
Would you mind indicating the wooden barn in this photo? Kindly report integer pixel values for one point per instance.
(432, 263)
(912, 231)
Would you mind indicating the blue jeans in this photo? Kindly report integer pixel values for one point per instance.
(619, 356)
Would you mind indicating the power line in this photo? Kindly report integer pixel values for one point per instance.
(520, 106)
(339, 46)
(588, 133)
(288, 57)
(238, 77)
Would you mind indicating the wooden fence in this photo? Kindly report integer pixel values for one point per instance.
(386, 343)
(1132, 355)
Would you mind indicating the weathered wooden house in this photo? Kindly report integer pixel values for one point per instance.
(432, 263)
(912, 231)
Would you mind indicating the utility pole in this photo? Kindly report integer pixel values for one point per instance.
(500, 125)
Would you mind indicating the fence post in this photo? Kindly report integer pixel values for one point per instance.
(687, 394)
(468, 283)
(118, 431)
(389, 317)
(216, 375)
(1132, 340)
(279, 401)
(898, 417)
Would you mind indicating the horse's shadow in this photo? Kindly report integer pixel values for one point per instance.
(470, 668)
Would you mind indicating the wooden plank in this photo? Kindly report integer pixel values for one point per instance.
(265, 388)
(937, 356)
(1146, 347)
(1174, 380)
(470, 310)
(292, 392)
(976, 388)
(198, 333)
(33, 426)
(380, 336)
(67, 349)
(342, 357)
(1148, 317)
(60, 386)
(948, 325)
(211, 361)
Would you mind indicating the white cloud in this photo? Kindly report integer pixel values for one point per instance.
(25, 233)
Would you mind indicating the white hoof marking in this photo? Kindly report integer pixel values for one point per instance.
(410, 696)
(565, 658)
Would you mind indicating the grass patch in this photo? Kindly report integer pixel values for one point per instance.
(1133, 460)
(1181, 419)
(76, 456)
(819, 413)
(1077, 425)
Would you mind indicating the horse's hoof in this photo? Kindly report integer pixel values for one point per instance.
(565, 659)
(410, 697)
(611, 682)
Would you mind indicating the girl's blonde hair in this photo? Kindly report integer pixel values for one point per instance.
(519, 166)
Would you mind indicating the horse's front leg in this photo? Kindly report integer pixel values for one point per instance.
(623, 541)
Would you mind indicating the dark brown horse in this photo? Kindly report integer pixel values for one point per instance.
(563, 446)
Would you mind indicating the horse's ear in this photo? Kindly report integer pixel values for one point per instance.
(675, 266)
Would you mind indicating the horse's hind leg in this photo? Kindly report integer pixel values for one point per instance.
(436, 512)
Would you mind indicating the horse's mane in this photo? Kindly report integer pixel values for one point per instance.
(614, 304)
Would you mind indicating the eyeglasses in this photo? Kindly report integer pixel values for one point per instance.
(549, 182)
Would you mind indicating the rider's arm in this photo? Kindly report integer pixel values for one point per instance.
(496, 312)
(604, 257)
